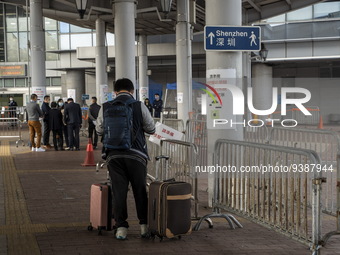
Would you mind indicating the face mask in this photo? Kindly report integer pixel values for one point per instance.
(156, 98)
(11, 99)
(60, 104)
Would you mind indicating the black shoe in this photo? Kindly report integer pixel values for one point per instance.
(71, 149)
(77, 149)
(61, 149)
(56, 148)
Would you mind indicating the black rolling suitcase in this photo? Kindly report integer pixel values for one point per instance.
(169, 207)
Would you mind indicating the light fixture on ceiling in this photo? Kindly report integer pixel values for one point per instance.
(166, 6)
(81, 7)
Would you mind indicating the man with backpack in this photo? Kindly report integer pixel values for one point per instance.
(123, 122)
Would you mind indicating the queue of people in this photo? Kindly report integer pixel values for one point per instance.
(63, 119)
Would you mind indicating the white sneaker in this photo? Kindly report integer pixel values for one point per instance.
(40, 149)
(143, 230)
(121, 233)
(34, 149)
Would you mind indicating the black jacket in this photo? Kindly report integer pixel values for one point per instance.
(93, 112)
(55, 119)
(72, 113)
(45, 109)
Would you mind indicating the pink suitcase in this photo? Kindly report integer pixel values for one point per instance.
(101, 208)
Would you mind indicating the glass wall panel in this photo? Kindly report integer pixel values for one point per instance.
(51, 40)
(23, 46)
(48, 81)
(20, 82)
(299, 30)
(64, 41)
(326, 10)
(12, 47)
(76, 29)
(56, 81)
(326, 29)
(270, 32)
(110, 39)
(301, 14)
(2, 34)
(11, 18)
(80, 40)
(50, 24)
(64, 27)
(9, 83)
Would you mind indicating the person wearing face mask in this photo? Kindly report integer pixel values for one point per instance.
(33, 114)
(157, 106)
(12, 107)
(61, 106)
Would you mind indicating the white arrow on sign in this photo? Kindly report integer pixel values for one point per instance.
(211, 35)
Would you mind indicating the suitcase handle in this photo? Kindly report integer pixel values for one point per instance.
(154, 209)
(161, 157)
(164, 174)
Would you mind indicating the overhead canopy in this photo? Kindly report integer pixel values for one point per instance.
(151, 21)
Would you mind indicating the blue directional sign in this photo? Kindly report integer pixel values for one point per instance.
(226, 38)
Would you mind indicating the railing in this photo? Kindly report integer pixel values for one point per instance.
(196, 133)
(326, 144)
(276, 198)
(11, 127)
(296, 114)
(175, 124)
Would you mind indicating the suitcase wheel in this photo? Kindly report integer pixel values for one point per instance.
(90, 228)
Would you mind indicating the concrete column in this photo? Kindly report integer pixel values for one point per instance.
(124, 20)
(183, 61)
(229, 13)
(101, 57)
(262, 82)
(75, 85)
(38, 67)
(143, 67)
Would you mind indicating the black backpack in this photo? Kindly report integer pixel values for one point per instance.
(118, 124)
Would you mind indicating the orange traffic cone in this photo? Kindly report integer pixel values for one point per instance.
(89, 159)
(320, 126)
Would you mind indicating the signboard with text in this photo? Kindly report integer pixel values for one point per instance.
(13, 70)
(228, 38)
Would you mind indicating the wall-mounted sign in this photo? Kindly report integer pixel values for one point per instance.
(13, 70)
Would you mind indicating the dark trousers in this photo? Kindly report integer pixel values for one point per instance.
(65, 134)
(157, 114)
(46, 134)
(122, 171)
(58, 138)
(92, 129)
(73, 135)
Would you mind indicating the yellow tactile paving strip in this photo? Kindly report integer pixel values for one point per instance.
(19, 228)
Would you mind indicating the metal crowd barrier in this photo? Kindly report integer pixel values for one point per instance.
(256, 134)
(276, 198)
(301, 118)
(175, 124)
(196, 133)
(326, 144)
(11, 127)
